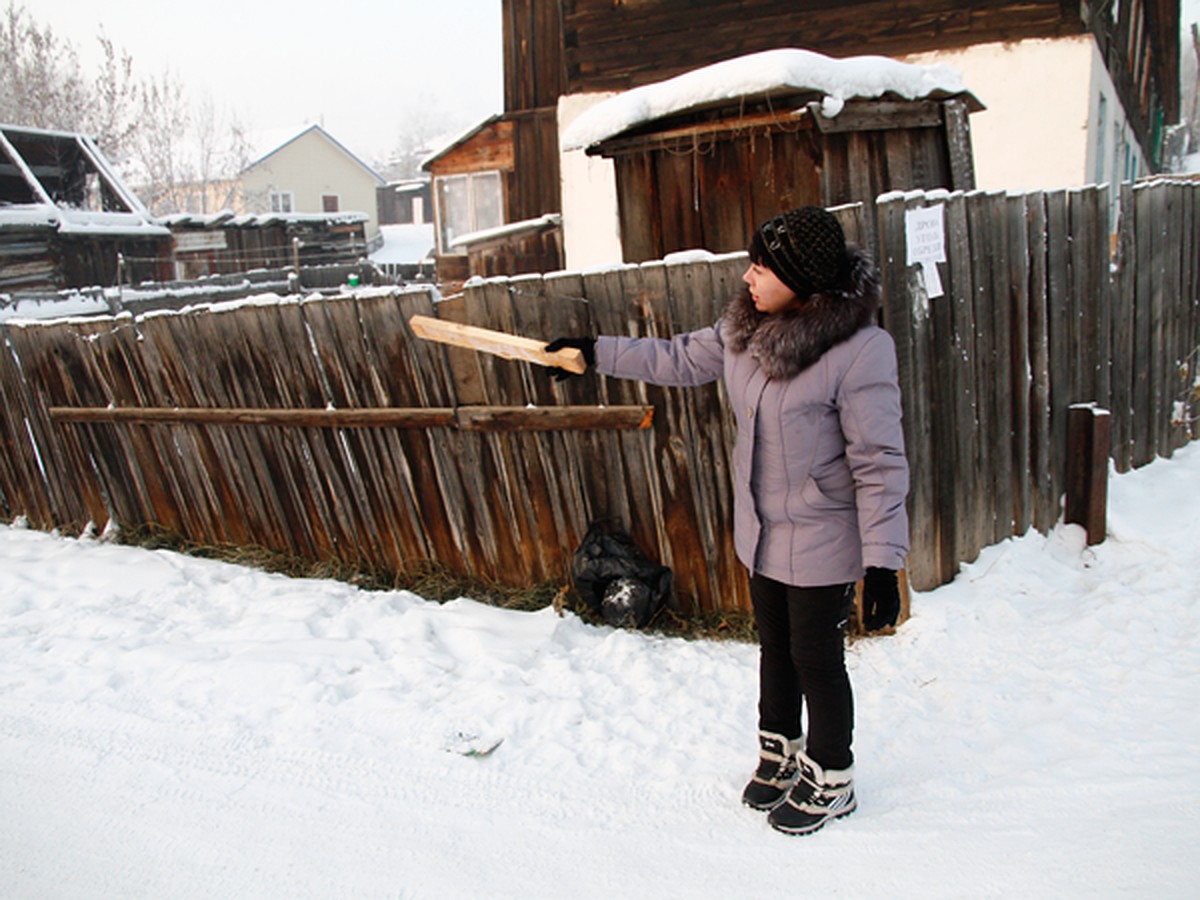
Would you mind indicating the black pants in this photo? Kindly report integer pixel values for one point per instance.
(802, 663)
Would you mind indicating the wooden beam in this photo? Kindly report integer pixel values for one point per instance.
(958, 143)
(1089, 436)
(469, 418)
(878, 116)
(498, 343)
(555, 418)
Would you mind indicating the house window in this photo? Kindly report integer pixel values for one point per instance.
(468, 203)
(282, 202)
(329, 203)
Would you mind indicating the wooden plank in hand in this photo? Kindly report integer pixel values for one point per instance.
(498, 343)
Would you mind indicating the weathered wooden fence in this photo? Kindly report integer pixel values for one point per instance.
(1038, 314)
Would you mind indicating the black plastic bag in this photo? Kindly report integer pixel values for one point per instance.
(617, 580)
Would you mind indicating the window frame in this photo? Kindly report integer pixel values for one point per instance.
(473, 181)
(276, 200)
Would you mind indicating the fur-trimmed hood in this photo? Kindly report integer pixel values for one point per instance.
(786, 343)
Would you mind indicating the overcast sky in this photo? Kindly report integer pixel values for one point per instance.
(359, 67)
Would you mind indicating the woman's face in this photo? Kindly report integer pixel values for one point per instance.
(770, 295)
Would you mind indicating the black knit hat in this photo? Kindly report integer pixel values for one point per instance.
(805, 247)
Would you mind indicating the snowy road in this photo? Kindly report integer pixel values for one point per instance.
(181, 728)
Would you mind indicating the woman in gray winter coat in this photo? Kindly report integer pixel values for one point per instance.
(820, 480)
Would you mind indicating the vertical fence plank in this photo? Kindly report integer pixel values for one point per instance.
(906, 315)
(1122, 345)
(1177, 322)
(1191, 290)
(1061, 306)
(23, 489)
(945, 414)
(1020, 364)
(973, 519)
(983, 345)
(1149, 325)
(1041, 435)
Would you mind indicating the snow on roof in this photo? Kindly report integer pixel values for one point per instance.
(66, 220)
(226, 217)
(440, 146)
(760, 73)
(548, 220)
(30, 215)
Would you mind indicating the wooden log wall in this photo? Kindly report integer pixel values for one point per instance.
(1037, 315)
(618, 45)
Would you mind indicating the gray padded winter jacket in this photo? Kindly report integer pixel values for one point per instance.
(820, 476)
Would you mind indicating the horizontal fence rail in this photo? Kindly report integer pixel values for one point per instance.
(324, 428)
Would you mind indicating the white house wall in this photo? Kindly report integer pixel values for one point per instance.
(310, 167)
(591, 224)
(1038, 93)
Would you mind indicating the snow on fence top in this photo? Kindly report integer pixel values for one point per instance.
(758, 73)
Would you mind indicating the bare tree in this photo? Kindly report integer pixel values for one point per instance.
(41, 82)
(222, 149)
(112, 113)
(422, 122)
(178, 158)
(158, 162)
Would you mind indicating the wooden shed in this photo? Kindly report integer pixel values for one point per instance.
(67, 220)
(503, 171)
(223, 243)
(705, 174)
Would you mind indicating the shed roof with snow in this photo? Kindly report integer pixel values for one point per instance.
(702, 158)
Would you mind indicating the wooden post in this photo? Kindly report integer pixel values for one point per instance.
(1089, 435)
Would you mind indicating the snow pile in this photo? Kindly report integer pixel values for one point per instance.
(53, 306)
(172, 727)
(758, 73)
(403, 244)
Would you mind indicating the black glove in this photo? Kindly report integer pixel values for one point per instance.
(586, 344)
(881, 598)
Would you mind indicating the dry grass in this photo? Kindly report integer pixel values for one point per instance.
(436, 583)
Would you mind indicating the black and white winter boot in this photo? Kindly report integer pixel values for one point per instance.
(817, 796)
(776, 771)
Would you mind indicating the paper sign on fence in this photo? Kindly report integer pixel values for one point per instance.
(925, 231)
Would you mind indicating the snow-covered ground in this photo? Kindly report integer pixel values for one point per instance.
(405, 243)
(176, 728)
